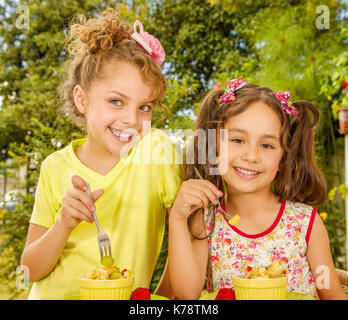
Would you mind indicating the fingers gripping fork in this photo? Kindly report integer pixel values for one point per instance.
(103, 239)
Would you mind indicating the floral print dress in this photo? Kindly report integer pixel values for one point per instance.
(232, 250)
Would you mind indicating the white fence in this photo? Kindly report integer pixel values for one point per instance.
(9, 179)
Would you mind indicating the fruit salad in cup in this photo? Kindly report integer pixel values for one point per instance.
(108, 273)
(262, 283)
(106, 283)
(275, 270)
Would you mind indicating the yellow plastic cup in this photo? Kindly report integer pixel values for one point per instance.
(260, 289)
(120, 289)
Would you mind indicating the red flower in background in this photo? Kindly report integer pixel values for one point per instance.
(218, 85)
(344, 85)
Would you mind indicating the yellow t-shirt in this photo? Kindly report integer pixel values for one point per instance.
(131, 211)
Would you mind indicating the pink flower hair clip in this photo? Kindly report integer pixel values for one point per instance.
(283, 97)
(149, 43)
(232, 87)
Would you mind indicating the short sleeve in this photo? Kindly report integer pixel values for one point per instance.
(171, 185)
(43, 212)
(171, 174)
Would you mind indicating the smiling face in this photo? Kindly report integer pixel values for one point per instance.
(254, 149)
(117, 108)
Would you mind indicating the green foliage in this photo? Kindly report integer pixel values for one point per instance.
(161, 262)
(198, 36)
(13, 228)
(335, 223)
(332, 86)
(342, 190)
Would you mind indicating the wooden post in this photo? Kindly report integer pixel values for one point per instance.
(343, 129)
(346, 183)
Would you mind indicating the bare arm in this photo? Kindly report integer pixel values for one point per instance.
(45, 245)
(43, 248)
(164, 287)
(321, 263)
(187, 258)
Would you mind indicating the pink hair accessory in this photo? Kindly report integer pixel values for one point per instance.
(283, 97)
(149, 43)
(232, 87)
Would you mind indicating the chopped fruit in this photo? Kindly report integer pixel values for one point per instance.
(126, 273)
(225, 294)
(115, 275)
(234, 221)
(141, 294)
(108, 273)
(107, 261)
(275, 270)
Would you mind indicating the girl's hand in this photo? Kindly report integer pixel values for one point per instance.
(76, 205)
(194, 194)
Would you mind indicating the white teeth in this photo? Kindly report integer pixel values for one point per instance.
(121, 134)
(246, 172)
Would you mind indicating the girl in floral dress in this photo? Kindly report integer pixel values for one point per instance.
(264, 160)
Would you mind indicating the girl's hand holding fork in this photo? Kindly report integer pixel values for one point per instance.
(76, 205)
(194, 194)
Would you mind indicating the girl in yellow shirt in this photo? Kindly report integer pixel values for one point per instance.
(112, 84)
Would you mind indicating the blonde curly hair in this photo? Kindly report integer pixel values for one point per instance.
(94, 42)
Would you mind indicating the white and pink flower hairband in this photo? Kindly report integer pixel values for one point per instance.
(149, 43)
(282, 96)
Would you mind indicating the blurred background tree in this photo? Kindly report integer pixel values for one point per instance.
(273, 43)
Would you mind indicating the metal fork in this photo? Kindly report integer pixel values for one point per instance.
(103, 239)
(200, 177)
(232, 220)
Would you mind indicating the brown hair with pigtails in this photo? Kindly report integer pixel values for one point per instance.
(96, 43)
(299, 178)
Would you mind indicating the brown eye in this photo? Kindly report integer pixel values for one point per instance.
(116, 102)
(145, 108)
(239, 141)
(267, 146)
